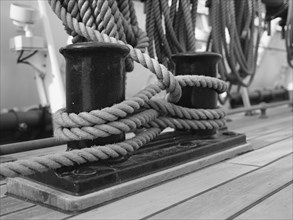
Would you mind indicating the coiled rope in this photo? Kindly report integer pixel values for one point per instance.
(236, 37)
(140, 111)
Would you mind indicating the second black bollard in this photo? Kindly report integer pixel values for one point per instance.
(200, 63)
(95, 79)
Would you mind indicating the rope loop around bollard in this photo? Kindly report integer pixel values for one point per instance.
(142, 111)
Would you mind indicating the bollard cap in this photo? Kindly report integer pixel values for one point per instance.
(200, 62)
(95, 46)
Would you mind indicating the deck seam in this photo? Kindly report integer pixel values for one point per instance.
(261, 148)
(258, 137)
(268, 133)
(212, 188)
(271, 143)
(260, 200)
(243, 164)
(8, 213)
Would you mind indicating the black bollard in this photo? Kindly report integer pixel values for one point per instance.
(95, 79)
(200, 63)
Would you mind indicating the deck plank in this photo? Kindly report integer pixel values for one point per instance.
(278, 206)
(277, 127)
(228, 199)
(265, 155)
(157, 198)
(261, 125)
(36, 212)
(10, 205)
(270, 138)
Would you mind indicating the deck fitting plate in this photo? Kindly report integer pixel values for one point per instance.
(171, 155)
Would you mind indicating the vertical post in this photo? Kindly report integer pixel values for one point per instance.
(200, 63)
(56, 90)
(245, 97)
(95, 79)
(246, 100)
(39, 60)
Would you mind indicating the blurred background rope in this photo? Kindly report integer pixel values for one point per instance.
(235, 34)
(170, 28)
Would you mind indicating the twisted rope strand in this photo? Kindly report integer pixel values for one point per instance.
(124, 108)
(70, 158)
(161, 71)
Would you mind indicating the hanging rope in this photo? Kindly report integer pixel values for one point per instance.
(108, 17)
(236, 37)
(170, 28)
(141, 111)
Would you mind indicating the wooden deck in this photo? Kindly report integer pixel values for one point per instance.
(255, 185)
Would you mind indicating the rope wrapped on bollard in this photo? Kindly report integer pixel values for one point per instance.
(140, 111)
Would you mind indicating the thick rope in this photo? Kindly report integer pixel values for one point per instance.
(98, 123)
(141, 111)
(105, 16)
(70, 158)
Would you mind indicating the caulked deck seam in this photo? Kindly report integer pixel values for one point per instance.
(214, 187)
(260, 200)
(8, 213)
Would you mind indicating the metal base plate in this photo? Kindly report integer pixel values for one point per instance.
(77, 188)
(170, 149)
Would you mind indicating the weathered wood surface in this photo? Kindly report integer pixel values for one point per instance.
(10, 205)
(265, 155)
(255, 185)
(36, 212)
(158, 198)
(278, 206)
(228, 199)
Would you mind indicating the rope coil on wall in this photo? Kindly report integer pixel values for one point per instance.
(103, 21)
